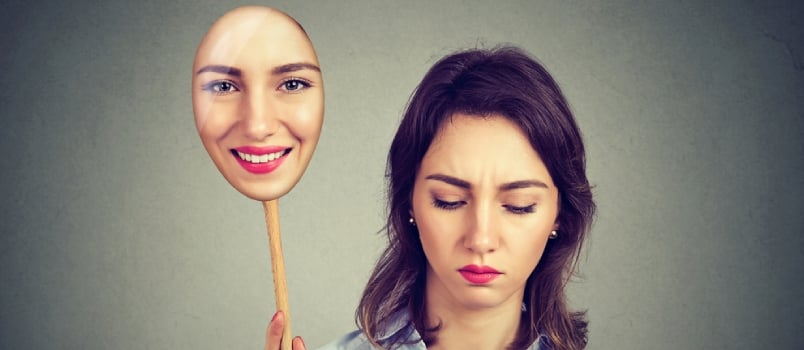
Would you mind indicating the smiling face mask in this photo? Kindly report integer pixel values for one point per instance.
(258, 100)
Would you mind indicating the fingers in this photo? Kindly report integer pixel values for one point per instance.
(298, 344)
(273, 335)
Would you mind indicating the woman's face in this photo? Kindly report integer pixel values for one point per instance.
(484, 204)
(258, 99)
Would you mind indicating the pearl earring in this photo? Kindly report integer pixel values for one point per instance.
(553, 234)
(412, 222)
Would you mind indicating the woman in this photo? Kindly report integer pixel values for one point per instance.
(489, 207)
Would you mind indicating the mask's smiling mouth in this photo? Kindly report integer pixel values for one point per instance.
(260, 158)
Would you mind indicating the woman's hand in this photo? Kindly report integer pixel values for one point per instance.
(273, 335)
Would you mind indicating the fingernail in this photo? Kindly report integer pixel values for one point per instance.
(275, 314)
(302, 341)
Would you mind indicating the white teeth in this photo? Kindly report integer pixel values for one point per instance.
(256, 159)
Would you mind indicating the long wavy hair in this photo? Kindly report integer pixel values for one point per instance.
(508, 82)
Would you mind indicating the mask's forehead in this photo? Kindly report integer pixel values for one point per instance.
(260, 33)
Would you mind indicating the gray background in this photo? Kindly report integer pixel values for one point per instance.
(117, 232)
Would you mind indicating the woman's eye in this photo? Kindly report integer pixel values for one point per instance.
(220, 87)
(294, 85)
(446, 204)
(520, 210)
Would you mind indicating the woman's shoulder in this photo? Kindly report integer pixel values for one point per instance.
(357, 340)
(399, 333)
(352, 341)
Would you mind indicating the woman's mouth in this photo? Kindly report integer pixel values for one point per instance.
(479, 274)
(260, 160)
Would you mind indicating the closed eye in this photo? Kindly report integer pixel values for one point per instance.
(446, 205)
(220, 87)
(520, 210)
(294, 85)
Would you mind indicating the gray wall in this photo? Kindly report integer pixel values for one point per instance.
(117, 232)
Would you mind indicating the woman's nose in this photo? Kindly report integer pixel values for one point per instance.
(260, 117)
(482, 236)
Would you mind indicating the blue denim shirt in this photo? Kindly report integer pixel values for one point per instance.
(400, 328)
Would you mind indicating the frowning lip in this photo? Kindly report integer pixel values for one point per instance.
(260, 160)
(475, 274)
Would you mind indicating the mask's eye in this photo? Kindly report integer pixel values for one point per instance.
(220, 87)
(520, 210)
(294, 85)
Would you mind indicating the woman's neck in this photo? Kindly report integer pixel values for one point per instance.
(465, 327)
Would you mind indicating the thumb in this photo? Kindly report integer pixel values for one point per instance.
(298, 344)
(273, 334)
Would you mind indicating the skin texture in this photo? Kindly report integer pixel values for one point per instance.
(257, 88)
(466, 215)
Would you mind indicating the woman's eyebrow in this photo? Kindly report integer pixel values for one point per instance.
(221, 69)
(522, 184)
(454, 181)
(504, 187)
(292, 67)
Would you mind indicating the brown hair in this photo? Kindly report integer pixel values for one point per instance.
(504, 81)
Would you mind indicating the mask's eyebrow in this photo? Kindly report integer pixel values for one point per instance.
(221, 69)
(285, 68)
(293, 67)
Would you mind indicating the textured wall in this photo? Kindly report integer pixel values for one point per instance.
(117, 232)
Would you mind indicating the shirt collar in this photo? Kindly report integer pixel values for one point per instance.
(400, 327)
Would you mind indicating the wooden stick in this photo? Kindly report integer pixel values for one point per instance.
(278, 267)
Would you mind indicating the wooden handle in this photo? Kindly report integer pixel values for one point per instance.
(278, 267)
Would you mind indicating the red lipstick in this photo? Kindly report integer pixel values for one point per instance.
(260, 160)
(479, 274)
